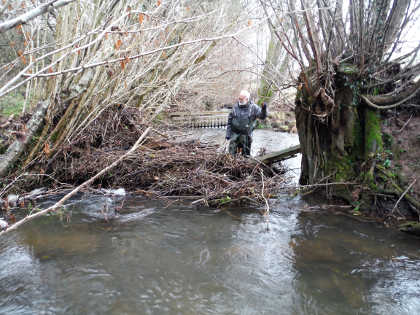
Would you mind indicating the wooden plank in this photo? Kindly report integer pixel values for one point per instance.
(280, 155)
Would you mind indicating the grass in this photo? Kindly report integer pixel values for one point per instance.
(11, 104)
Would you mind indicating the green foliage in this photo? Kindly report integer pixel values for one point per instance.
(11, 104)
(224, 200)
(261, 125)
(356, 209)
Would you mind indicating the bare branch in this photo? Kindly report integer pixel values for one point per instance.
(150, 52)
(394, 101)
(25, 18)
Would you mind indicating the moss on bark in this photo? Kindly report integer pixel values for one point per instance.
(345, 144)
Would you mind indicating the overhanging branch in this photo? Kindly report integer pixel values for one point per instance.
(30, 15)
(398, 99)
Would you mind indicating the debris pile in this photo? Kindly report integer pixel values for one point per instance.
(162, 168)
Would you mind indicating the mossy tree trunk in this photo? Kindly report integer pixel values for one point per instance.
(342, 142)
(349, 76)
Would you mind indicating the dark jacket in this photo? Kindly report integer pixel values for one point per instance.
(242, 118)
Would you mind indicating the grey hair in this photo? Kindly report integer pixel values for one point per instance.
(245, 93)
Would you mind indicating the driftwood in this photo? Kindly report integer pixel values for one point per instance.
(280, 155)
(19, 145)
(78, 188)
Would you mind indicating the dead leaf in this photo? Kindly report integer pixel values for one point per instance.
(47, 150)
(141, 18)
(118, 44)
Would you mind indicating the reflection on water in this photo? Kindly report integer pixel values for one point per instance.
(152, 259)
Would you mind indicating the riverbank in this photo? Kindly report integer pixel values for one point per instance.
(163, 166)
(169, 163)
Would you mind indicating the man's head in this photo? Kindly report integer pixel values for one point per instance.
(243, 97)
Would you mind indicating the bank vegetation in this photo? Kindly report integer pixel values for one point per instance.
(96, 75)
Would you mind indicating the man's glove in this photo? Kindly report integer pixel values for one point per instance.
(263, 111)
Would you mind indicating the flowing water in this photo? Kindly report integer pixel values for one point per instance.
(154, 259)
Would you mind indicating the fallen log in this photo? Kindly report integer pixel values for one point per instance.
(281, 155)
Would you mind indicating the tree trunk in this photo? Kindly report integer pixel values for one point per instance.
(17, 148)
(340, 138)
(265, 90)
(342, 144)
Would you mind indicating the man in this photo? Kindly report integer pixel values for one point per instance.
(241, 123)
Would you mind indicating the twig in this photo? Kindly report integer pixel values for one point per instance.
(137, 56)
(5, 189)
(405, 124)
(78, 188)
(403, 194)
(267, 206)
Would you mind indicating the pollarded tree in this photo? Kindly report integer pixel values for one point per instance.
(354, 64)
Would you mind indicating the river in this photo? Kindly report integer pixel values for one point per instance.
(157, 259)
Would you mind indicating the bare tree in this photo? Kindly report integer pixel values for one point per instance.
(354, 63)
(91, 56)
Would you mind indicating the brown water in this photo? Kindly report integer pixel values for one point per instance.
(152, 259)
